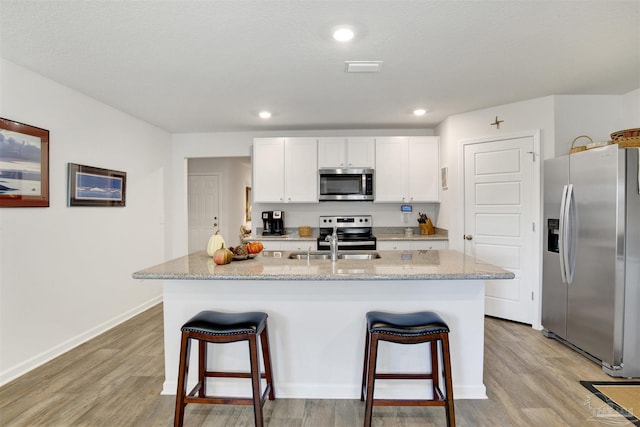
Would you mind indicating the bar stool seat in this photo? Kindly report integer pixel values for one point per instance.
(408, 328)
(220, 328)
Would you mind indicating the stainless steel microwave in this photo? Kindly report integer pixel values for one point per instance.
(345, 184)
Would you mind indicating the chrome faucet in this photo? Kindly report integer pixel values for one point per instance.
(333, 244)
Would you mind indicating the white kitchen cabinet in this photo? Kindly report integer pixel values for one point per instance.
(289, 245)
(416, 245)
(285, 170)
(421, 245)
(352, 152)
(393, 245)
(271, 245)
(407, 169)
(268, 170)
(299, 245)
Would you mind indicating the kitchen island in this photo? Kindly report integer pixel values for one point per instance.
(317, 316)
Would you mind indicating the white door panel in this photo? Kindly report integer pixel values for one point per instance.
(498, 193)
(497, 162)
(498, 225)
(503, 290)
(505, 256)
(203, 200)
(499, 214)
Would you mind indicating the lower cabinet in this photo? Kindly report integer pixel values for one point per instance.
(289, 245)
(416, 245)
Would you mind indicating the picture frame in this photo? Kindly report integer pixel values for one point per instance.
(24, 165)
(444, 177)
(93, 186)
(247, 204)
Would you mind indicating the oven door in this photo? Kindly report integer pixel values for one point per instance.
(368, 244)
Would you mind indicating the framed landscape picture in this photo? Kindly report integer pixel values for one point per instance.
(24, 165)
(92, 186)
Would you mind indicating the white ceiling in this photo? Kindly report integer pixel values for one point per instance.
(203, 66)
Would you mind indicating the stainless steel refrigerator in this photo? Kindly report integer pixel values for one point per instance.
(591, 256)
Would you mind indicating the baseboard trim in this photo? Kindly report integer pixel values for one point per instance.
(46, 356)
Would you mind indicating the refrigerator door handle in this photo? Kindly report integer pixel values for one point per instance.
(570, 235)
(561, 237)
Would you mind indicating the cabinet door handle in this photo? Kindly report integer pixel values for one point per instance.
(468, 237)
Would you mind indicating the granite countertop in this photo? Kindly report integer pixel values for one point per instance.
(275, 265)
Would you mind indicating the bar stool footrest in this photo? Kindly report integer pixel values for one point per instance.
(405, 402)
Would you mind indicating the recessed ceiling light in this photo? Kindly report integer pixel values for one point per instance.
(419, 112)
(343, 34)
(264, 114)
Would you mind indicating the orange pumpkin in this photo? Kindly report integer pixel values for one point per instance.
(254, 247)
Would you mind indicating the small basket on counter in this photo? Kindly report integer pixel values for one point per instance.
(304, 231)
(589, 146)
(627, 138)
(576, 149)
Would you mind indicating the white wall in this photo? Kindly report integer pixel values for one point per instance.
(65, 273)
(631, 109)
(520, 116)
(233, 144)
(595, 116)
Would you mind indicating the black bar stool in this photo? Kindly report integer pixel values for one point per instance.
(219, 328)
(410, 328)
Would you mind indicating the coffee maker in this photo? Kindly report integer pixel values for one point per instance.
(273, 223)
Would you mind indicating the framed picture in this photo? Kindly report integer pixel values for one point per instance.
(24, 165)
(247, 204)
(91, 186)
(444, 177)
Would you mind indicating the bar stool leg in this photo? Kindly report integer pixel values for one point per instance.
(185, 348)
(266, 358)
(255, 380)
(371, 375)
(202, 367)
(365, 364)
(446, 361)
(435, 374)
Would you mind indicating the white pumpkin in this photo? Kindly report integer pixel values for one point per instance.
(215, 242)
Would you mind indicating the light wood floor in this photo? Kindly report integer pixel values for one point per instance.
(116, 378)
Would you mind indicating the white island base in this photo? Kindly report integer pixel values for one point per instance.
(317, 333)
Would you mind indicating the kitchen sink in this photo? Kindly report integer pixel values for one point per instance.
(359, 255)
(310, 255)
(341, 255)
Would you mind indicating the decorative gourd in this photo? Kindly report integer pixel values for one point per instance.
(254, 247)
(222, 256)
(215, 242)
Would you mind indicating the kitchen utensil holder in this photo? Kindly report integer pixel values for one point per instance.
(427, 228)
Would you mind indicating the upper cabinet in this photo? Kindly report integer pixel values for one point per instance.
(285, 170)
(352, 152)
(407, 169)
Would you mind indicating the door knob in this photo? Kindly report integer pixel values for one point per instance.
(215, 224)
(468, 237)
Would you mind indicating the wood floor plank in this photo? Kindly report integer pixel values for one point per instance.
(116, 378)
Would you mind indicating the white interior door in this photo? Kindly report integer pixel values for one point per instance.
(499, 216)
(204, 214)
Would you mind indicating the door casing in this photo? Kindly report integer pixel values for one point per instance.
(537, 207)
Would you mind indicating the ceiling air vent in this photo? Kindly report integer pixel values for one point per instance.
(362, 66)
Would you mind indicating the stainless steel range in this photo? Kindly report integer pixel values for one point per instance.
(354, 232)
